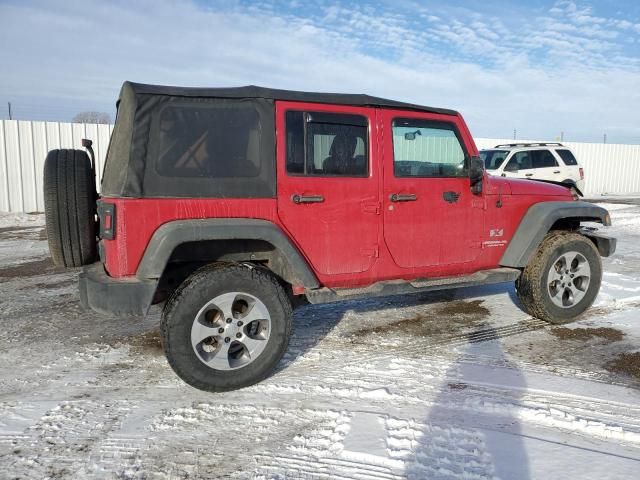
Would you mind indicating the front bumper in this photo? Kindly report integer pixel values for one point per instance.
(606, 245)
(121, 297)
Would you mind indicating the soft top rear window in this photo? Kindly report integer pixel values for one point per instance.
(177, 146)
(201, 140)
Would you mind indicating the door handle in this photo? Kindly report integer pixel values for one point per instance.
(403, 197)
(297, 199)
(556, 171)
(528, 174)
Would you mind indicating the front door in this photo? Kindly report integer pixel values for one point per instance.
(431, 217)
(328, 184)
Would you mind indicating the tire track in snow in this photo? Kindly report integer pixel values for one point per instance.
(478, 336)
(172, 439)
(58, 444)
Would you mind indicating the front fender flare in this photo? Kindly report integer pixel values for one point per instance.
(168, 236)
(537, 222)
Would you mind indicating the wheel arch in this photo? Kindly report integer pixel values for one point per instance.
(226, 239)
(546, 216)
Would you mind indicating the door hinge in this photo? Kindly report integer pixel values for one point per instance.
(372, 208)
(478, 203)
(370, 252)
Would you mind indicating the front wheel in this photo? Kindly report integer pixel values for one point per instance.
(226, 327)
(562, 278)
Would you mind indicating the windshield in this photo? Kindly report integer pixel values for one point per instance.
(493, 158)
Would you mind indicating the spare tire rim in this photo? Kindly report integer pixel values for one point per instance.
(568, 279)
(231, 331)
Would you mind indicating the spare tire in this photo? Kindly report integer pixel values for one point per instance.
(70, 207)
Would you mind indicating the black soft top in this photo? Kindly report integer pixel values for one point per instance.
(225, 135)
(253, 91)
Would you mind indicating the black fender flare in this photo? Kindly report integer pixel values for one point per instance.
(293, 267)
(537, 222)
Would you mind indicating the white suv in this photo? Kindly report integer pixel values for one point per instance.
(542, 161)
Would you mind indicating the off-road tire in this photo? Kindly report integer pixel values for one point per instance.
(70, 208)
(532, 288)
(198, 289)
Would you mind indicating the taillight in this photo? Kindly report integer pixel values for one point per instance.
(107, 219)
(581, 173)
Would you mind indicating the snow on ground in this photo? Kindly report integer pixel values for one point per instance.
(458, 384)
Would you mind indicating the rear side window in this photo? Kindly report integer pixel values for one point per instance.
(543, 159)
(423, 148)
(327, 144)
(208, 141)
(567, 157)
(519, 161)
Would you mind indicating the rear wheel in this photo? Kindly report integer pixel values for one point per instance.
(562, 279)
(226, 327)
(70, 207)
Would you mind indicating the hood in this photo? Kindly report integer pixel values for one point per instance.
(515, 186)
(533, 187)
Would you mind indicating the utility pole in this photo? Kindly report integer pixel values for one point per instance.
(561, 136)
(9, 104)
(604, 140)
(514, 133)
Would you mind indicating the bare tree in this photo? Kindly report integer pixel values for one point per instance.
(92, 117)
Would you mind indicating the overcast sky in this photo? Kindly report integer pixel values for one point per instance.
(540, 67)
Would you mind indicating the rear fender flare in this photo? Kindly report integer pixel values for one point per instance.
(537, 222)
(293, 267)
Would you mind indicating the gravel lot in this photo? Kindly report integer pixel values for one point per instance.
(458, 384)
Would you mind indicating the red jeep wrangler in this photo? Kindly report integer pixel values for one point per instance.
(230, 205)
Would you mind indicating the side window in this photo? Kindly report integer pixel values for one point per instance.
(424, 148)
(519, 161)
(567, 157)
(205, 141)
(543, 159)
(327, 144)
(493, 159)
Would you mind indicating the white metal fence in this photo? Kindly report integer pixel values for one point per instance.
(23, 149)
(609, 168)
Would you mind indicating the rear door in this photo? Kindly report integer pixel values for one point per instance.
(541, 164)
(328, 184)
(431, 218)
(571, 169)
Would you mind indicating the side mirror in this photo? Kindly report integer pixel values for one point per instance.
(476, 174)
(412, 135)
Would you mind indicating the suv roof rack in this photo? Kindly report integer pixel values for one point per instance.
(535, 144)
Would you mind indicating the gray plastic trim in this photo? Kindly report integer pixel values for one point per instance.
(170, 235)
(401, 287)
(110, 296)
(537, 222)
(606, 245)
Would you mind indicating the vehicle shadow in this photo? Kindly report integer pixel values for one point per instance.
(471, 430)
(312, 323)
